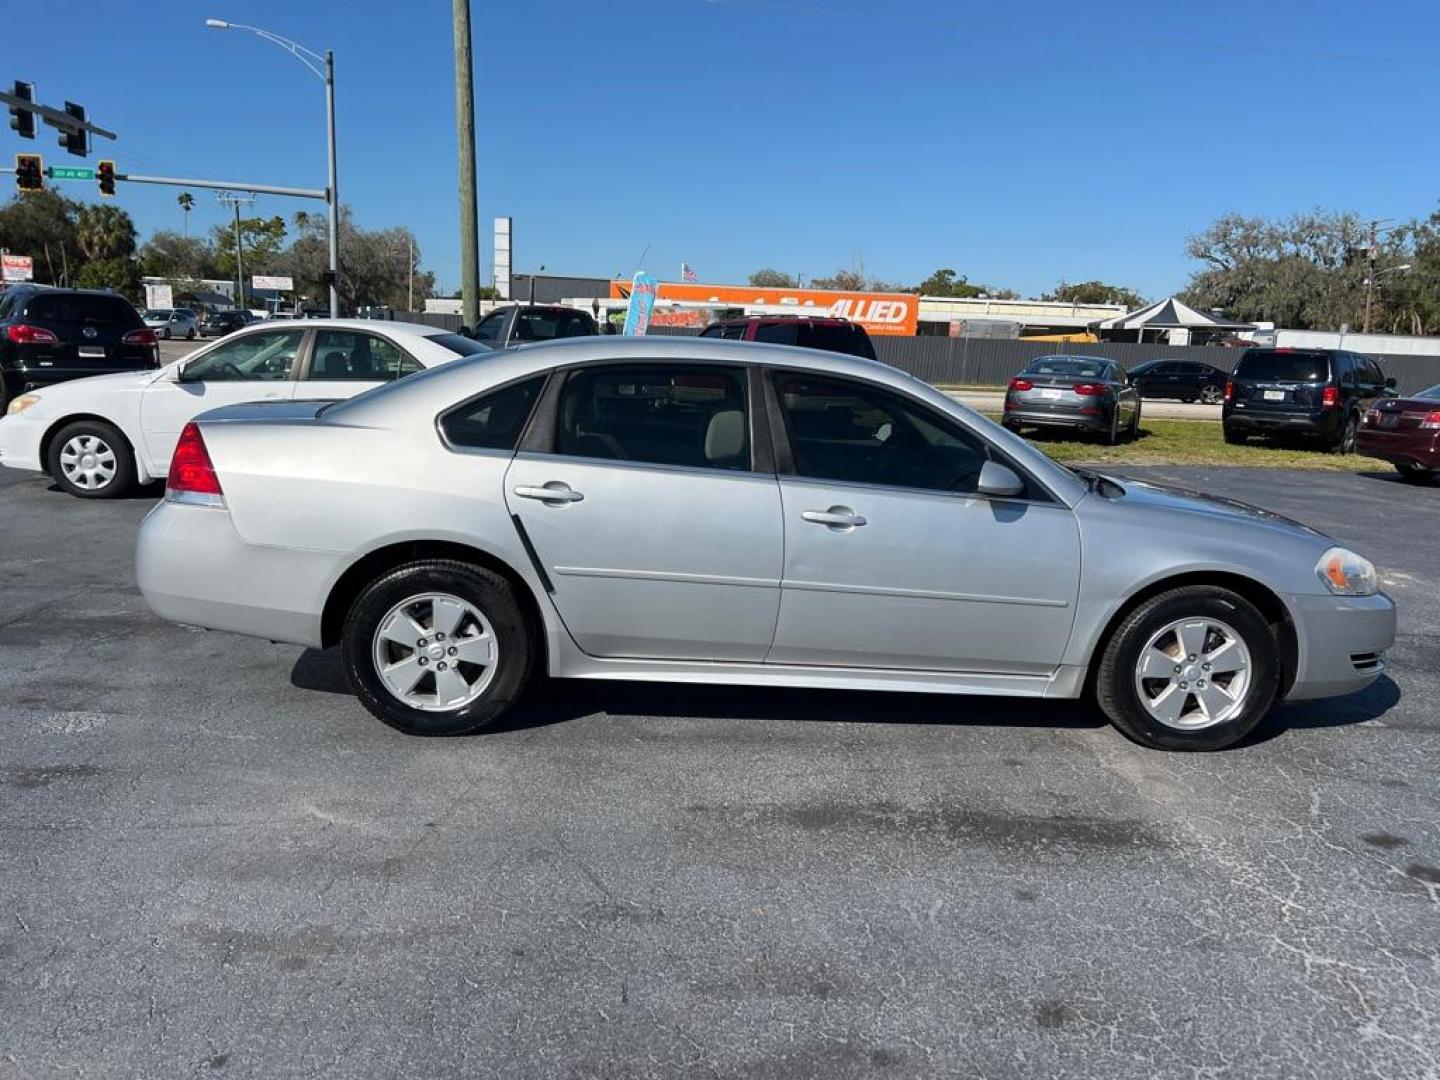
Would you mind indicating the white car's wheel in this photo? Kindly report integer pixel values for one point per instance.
(91, 460)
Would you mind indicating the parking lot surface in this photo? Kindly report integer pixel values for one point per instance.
(216, 862)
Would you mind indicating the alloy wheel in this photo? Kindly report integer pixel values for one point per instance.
(88, 462)
(1211, 394)
(1193, 674)
(435, 652)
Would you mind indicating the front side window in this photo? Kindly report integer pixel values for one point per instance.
(266, 356)
(680, 415)
(351, 355)
(862, 434)
(490, 327)
(495, 420)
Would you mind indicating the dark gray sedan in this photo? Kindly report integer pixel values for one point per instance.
(1085, 392)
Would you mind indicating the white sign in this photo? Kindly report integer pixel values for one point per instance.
(18, 268)
(159, 296)
(280, 284)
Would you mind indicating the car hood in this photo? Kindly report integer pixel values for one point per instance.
(93, 384)
(1174, 498)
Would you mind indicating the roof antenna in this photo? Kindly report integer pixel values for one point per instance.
(640, 262)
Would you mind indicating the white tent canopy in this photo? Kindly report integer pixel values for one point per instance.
(1169, 314)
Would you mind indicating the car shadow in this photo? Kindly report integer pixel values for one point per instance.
(153, 492)
(556, 701)
(1392, 476)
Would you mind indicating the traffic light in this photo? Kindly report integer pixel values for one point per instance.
(23, 120)
(105, 173)
(29, 172)
(75, 140)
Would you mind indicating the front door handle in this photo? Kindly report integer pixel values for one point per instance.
(837, 517)
(554, 493)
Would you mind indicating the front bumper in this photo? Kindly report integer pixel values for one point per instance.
(1343, 641)
(20, 442)
(193, 567)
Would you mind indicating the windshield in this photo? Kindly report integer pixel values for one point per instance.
(157, 313)
(1266, 366)
(1064, 365)
(1430, 394)
(459, 344)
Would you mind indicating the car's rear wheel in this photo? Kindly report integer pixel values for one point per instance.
(1211, 395)
(1416, 474)
(1345, 441)
(1112, 437)
(4, 396)
(437, 647)
(1134, 431)
(91, 460)
(189, 335)
(1233, 437)
(1195, 668)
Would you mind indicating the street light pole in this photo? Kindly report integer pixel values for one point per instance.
(311, 59)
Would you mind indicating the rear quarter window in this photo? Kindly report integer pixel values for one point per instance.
(99, 311)
(851, 340)
(459, 344)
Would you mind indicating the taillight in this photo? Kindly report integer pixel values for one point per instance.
(141, 337)
(1088, 389)
(1229, 389)
(1330, 397)
(1018, 383)
(192, 474)
(1372, 417)
(24, 334)
(1431, 421)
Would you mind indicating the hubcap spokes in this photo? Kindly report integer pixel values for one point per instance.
(1193, 673)
(88, 462)
(435, 652)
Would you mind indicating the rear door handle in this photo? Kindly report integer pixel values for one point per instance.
(554, 493)
(837, 517)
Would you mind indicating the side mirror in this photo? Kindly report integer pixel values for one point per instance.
(999, 480)
(1390, 383)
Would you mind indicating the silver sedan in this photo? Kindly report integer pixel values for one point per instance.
(719, 512)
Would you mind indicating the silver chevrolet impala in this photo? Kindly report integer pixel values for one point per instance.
(688, 510)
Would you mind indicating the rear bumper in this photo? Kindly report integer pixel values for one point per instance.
(1401, 447)
(1276, 421)
(1037, 417)
(1343, 641)
(193, 567)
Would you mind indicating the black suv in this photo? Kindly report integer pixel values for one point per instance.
(220, 323)
(53, 335)
(1321, 393)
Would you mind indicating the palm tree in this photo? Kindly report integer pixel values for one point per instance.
(104, 232)
(187, 203)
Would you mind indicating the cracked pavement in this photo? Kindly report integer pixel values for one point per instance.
(214, 861)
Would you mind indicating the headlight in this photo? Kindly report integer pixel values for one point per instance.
(21, 403)
(1347, 574)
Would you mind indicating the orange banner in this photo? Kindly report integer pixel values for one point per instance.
(878, 313)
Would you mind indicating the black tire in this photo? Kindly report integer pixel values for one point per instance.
(1011, 426)
(1133, 432)
(1211, 395)
(1115, 688)
(1416, 474)
(515, 644)
(189, 335)
(4, 396)
(165, 333)
(1112, 437)
(120, 482)
(1234, 438)
(1345, 442)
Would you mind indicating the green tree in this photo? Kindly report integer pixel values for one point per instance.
(769, 278)
(42, 225)
(187, 203)
(1095, 292)
(104, 233)
(262, 240)
(121, 274)
(374, 266)
(168, 254)
(845, 280)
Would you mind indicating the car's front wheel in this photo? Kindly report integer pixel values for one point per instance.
(1195, 668)
(437, 647)
(91, 460)
(1416, 474)
(165, 333)
(189, 335)
(1345, 441)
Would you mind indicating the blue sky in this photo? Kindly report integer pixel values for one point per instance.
(1018, 143)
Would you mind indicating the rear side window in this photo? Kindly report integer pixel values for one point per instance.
(1263, 365)
(680, 415)
(777, 333)
(850, 340)
(111, 312)
(495, 420)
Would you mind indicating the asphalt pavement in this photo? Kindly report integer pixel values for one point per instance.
(214, 862)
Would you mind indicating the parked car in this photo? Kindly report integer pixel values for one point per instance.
(1320, 394)
(832, 335)
(1405, 432)
(517, 324)
(48, 336)
(1185, 380)
(97, 437)
(1085, 392)
(172, 322)
(220, 323)
(693, 510)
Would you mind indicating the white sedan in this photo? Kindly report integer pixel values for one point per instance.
(98, 437)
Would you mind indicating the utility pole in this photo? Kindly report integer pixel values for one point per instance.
(1370, 272)
(410, 277)
(465, 134)
(235, 201)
